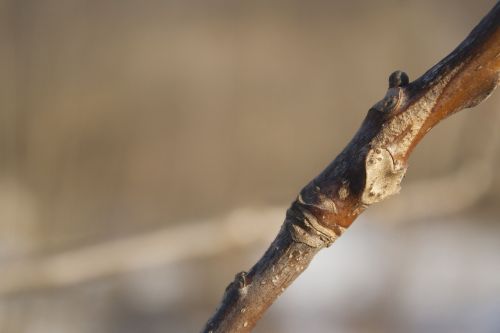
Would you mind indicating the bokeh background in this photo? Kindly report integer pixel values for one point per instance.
(149, 150)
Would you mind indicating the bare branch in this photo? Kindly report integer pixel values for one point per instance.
(161, 247)
(450, 193)
(367, 171)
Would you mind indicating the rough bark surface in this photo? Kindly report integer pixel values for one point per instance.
(367, 171)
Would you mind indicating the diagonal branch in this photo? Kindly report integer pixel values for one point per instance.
(367, 171)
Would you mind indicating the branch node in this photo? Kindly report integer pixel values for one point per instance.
(242, 279)
(305, 228)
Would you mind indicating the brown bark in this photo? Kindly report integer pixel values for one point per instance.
(368, 170)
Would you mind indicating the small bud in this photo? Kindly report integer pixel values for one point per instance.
(398, 79)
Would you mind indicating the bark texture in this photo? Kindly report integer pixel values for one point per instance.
(368, 170)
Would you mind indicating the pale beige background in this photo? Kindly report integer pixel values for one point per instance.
(122, 119)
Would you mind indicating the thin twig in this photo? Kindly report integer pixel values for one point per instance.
(367, 171)
(161, 247)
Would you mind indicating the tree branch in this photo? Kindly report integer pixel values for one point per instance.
(157, 248)
(367, 171)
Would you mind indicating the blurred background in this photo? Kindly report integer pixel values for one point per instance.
(149, 150)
